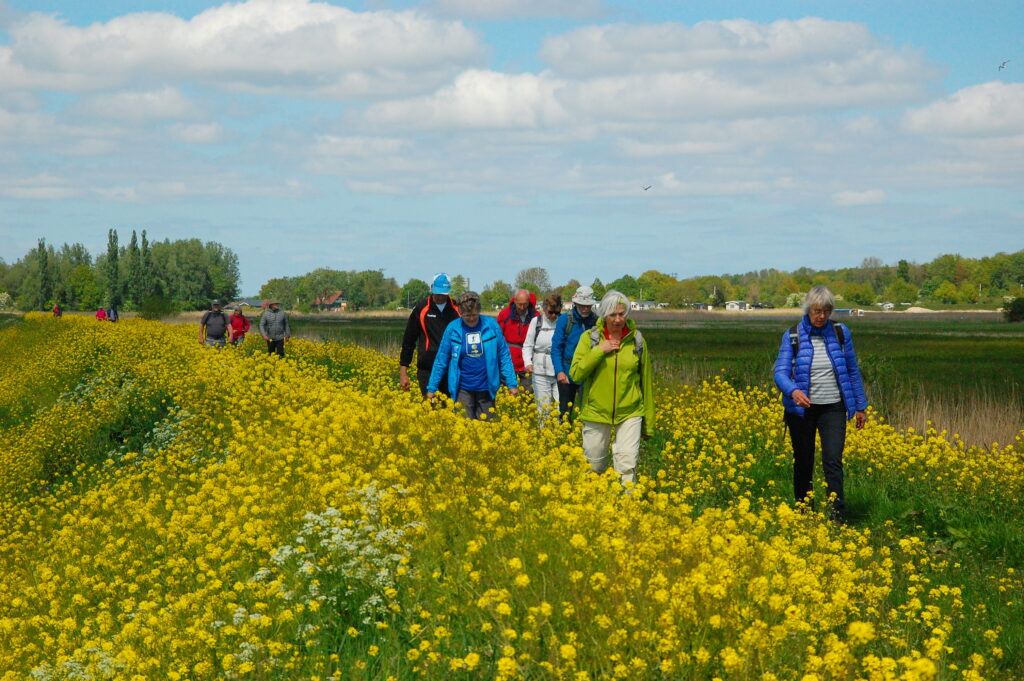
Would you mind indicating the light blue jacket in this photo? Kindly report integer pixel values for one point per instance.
(792, 375)
(497, 357)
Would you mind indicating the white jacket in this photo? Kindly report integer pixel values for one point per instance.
(538, 352)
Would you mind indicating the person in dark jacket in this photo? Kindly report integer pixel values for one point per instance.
(423, 332)
(563, 344)
(514, 321)
(821, 386)
(274, 328)
(214, 326)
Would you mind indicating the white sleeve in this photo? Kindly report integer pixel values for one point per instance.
(528, 342)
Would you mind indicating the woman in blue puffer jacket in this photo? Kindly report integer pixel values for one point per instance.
(821, 388)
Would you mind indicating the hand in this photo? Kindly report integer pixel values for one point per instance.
(562, 378)
(529, 369)
(800, 398)
(609, 345)
(266, 338)
(403, 378)
(513, 391)
(430, 395)
(861, 418)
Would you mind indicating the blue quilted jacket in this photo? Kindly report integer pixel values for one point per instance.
(790, 375)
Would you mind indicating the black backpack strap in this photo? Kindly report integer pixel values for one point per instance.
(840, 334)
(794, 338)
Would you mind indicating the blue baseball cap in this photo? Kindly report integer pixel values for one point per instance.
(441, 284)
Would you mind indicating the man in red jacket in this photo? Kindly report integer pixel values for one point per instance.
(514, 321)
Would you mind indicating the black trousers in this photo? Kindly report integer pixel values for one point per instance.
(275, 346)
(423, 378)
(828, 421)
(568, 399)
(477, 403)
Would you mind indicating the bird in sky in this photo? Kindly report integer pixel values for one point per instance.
(648, 187)
(1003, 65)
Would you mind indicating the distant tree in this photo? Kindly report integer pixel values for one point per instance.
(113, 271)
(1014, 312)
(947, 293)
(85, 291)
(45, 276)
(599, 288)
(903, 271)
(859, 294)
(626, 284)
(682, 294)
(901, 291)
(653, 284)
(459, 286)
(569, 289)
(283, 289)
(535, 279)
(414, 291)
(496, 294)
(133, 272)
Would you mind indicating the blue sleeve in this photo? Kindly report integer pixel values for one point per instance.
(558, 345)
(444, 355)
(853, 370)
(784, 367)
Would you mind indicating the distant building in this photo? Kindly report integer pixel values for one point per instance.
(642, 305)
(332, 302)
(249, 302)
(888, 306)
(735, 305)
(700, 306)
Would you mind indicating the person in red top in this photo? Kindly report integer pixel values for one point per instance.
(514, 321)
(101, 314)
(239, 326)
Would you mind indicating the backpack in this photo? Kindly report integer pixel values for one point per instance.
(638, 345)
(837, 328)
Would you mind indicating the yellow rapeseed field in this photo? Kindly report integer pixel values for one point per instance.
(169, 511)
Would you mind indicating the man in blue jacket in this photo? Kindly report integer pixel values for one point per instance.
(567, 334)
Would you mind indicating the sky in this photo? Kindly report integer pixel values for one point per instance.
(593, 138)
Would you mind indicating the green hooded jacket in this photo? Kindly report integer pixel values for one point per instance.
(616, 386)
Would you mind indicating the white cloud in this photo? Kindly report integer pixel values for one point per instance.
(164, 104)
(518, 9)
(198, 133)
(870, 197)
(478, 99)
(263, 46)
(989, 109)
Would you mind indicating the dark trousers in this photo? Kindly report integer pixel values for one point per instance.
(525, 380)
(423, 378)
(276, 346)
(476, 403)
(828, 421)
(568, 398)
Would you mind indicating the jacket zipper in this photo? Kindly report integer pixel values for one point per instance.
(615, 384)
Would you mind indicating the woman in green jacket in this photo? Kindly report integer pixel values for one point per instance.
(612, 362)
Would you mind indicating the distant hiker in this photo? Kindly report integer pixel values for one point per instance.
(476, 358)
(613, 360)
(514, 321)
(427, 322)
(213, 327)
(239, 326)
(566, 337)
(821, 388)
(537, 353)
(112, 315)
(57, 312)
(101, 314)
(274, 327)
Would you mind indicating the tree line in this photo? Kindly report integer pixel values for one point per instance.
(159, 277)
(946, 280)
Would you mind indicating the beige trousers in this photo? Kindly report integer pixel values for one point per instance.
(624, 453)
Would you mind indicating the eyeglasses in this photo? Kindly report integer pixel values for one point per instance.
(819, 312)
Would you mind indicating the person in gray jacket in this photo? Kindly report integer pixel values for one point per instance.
(274, 328)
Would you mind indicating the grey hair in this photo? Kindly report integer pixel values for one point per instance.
(611, 300)
(469, 301)
(819, 296)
